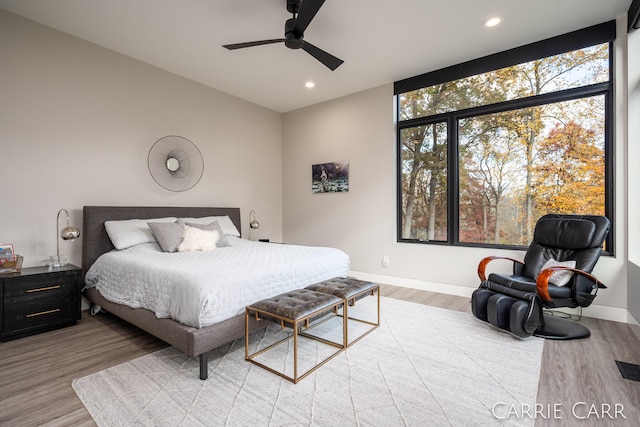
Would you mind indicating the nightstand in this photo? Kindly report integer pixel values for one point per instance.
(38, 299)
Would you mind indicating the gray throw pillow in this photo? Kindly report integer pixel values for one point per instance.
(211, 227)
(167, 234)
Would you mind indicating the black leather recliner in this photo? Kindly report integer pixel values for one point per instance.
(515, 302)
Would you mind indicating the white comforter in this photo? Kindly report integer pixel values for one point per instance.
(203, 288)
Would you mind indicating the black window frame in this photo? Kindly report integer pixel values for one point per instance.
(597, 34)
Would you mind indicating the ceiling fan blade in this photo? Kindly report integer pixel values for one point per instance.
(308, 10)
(251, 44)
(326, 58)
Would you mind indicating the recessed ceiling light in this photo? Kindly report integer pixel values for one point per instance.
(309, 84)
(492, 22)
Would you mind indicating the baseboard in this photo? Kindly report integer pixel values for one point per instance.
(443, 288)
(596, 311)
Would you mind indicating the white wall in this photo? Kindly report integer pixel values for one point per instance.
(634, 172)
(633, 88)
(362, 222)
(77, 122)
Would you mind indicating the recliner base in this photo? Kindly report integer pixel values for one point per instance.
(555, 328)
(517, 316)
(514, 315)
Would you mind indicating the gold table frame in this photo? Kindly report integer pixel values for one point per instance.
(297, 325)
(349, 297)
(351, 301)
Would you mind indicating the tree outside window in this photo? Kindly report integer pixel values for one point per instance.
(527, 140)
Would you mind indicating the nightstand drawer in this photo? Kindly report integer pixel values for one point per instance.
(39, 312)
(34, 287)
(38, 299)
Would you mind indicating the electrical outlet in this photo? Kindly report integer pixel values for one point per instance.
(385, 261)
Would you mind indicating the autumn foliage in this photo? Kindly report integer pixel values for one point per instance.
(513, 165)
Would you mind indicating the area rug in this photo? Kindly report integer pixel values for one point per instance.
(423, 366)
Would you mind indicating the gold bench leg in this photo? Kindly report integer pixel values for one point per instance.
(296, 324)
(375, 290)
(295, 352)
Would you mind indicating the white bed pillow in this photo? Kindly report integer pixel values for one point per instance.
(559, 278)
(197, 239)
(131, 232)
(225, 223)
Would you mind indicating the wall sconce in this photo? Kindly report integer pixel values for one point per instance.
(253, 224)
(67, 233)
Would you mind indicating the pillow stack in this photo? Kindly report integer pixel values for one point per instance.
(173, 234)
(184, 236)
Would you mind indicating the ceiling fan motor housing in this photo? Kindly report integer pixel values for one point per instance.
(292, 39)
(293, 6)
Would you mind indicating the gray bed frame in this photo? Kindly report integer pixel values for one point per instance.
(193, 341)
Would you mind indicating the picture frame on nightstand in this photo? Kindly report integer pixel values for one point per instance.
(6, 253)
(10, 262)
(7, 257)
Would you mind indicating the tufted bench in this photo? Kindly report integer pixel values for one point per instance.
(350, 290)
(294, 310)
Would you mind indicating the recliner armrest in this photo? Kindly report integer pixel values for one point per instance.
(542, 283)
(482, 266)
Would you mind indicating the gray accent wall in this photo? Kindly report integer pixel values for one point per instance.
(76, 125)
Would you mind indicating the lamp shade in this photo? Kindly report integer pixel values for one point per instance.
(70, 233)
(252, 218)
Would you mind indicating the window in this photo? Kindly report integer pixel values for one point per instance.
(487, 147)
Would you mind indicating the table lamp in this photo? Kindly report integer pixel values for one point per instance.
(253, 224)
(68, 233)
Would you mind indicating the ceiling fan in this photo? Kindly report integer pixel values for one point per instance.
(303, 12)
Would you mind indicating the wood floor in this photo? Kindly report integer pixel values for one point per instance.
(36, 372)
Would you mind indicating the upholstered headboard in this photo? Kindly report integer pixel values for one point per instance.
(95, 240)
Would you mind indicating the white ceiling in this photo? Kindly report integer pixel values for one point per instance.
(381, 41)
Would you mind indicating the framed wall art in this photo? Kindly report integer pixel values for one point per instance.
(330, 177)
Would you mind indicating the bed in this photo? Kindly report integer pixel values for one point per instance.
(194, 336)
